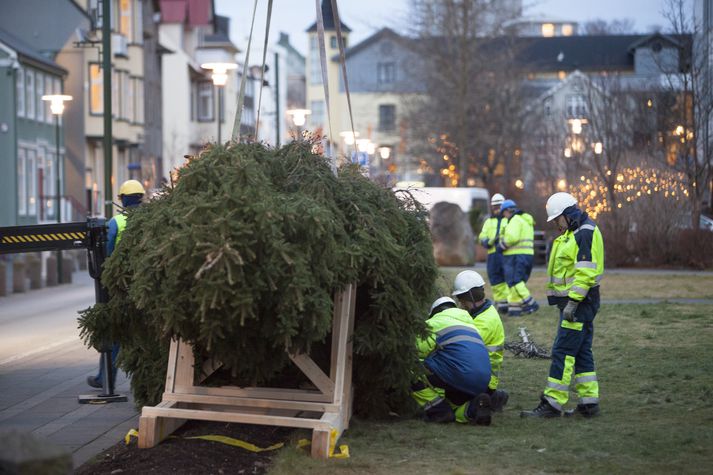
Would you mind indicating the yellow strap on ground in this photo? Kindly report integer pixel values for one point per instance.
(343, 449)
(216, 438)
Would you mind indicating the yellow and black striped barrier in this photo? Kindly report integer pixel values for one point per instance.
(43, 237)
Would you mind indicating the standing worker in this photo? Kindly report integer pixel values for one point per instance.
(469, 288)
(131, 193)
(517, 245)
(574, 271)
(489, 237)
(457, 368)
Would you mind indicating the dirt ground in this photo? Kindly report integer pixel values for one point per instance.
(178, 455)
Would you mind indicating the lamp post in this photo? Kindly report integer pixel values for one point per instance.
(299, 117)
(219, 75)
(57, 108)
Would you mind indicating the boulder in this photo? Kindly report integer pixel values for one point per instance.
(453, 240)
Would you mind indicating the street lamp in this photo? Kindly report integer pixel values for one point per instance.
(57, 108)
(299, 117)
(384, 152)
(219, 75)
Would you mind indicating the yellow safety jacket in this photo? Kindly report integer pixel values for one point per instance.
(576, 263)
(519, 235)
(490, 327)
(492, 232)
(120, 226)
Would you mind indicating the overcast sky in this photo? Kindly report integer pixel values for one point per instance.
(366, 16)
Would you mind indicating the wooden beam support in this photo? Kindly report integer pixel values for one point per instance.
(250, 402)
(314, 373)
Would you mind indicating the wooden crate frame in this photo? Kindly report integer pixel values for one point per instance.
(323, 410)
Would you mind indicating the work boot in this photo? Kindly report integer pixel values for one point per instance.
(514, 312)
(479, 410)
(584, 410)
(440, 412)
(532, 308)
(498, 400)
(94, 382)
(544, 410)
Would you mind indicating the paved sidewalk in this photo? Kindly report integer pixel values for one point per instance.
(40, 384)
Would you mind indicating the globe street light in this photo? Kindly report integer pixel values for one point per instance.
(299, 117)
(57, 108)
(219, 75)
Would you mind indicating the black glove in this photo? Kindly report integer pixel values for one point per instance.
(569, 309)
(485, 243)
(501, 247)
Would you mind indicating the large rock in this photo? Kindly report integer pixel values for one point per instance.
(453, 241)
(23, 454)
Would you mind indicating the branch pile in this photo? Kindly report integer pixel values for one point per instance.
(241, 258)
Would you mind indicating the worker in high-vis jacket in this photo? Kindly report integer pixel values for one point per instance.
(469, 289)
(489, 238)
(517, 246)
(457, 368)
(131, 194)
(575, 269)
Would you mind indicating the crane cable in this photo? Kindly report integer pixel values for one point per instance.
(262, 70)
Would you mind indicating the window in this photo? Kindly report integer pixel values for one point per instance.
(138, 24)
(139, 100)
(96, 90)
(115, 93)
(127, 97)
(567, 29)
(49, 89)
(548, 30)
(20, 86)
(30, 94)
(576, 107)
(126, 26)
(333, 42)
(315, 70)
(317, 117)
(49, 184)
(204, 104)
(387, 117)
(31, 183)
(58, 90)
(40, 89)
(21, 182)
(386, 73)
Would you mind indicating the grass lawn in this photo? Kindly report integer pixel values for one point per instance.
(655, 367)
(620, 286)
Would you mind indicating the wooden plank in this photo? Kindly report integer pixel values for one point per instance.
(279, 394)
(250, 402)
(314, 373)
(342, 340)
(185, 373)
(210, 366)
(348, 395)
(242, 418)
(172, 364)
(322, 433)
(336, 325)
(153, 430)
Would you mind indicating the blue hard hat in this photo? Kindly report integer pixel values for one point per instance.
(507, 204)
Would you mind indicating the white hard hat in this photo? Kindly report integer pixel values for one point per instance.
(497, 199)
(466, 280)
(557, 203)
(440, 301)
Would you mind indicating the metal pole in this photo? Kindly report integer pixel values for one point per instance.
(58, 184)
(277, 99)
(108, 135)
(217, 109)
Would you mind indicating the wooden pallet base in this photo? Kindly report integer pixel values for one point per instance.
(323, 410)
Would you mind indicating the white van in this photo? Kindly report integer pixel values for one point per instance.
(466, 198)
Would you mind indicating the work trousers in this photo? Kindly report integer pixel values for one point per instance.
(517, 269)
(496, 276)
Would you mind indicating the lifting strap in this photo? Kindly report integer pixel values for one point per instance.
(325, 82)
(241, 94)
(262, 70)
(342, 60)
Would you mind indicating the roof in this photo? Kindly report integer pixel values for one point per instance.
(384, 33)
(191, 12)
(220, 36)
(28, 54)
(328, 19)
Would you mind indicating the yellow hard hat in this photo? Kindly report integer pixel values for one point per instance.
(131, 187)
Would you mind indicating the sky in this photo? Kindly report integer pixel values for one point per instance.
(365, 17)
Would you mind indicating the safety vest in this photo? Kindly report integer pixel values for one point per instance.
(490, 327)
(492, 230)
(576, 262)
(519, 235)
(454, 350)
(120, 226)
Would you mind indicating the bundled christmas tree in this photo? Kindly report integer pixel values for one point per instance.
(241, 257)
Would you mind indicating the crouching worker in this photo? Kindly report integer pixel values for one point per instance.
(457, 368)
(469, 289)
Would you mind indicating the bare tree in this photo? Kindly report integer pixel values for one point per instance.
(688, 91)
(623, 26)
(465, 123)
